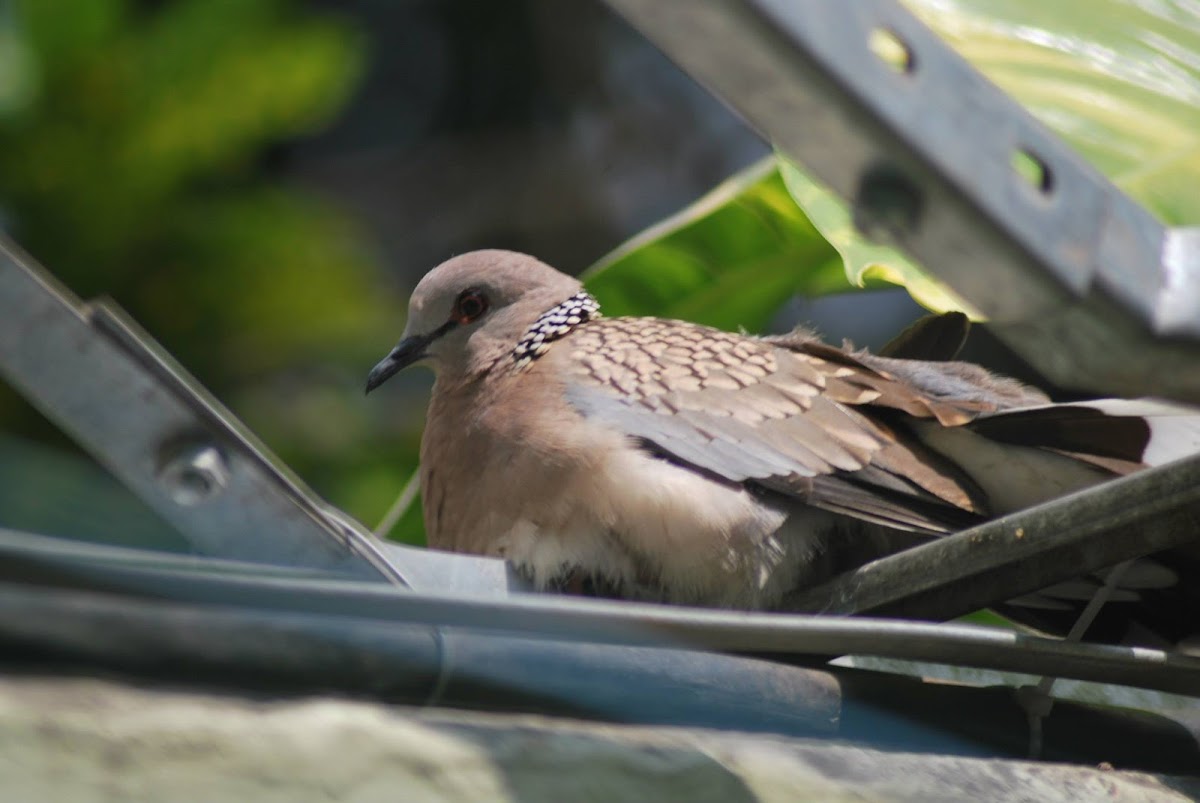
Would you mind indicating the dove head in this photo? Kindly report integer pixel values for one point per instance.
(470, 311)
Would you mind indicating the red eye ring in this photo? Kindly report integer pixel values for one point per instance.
(469, 305)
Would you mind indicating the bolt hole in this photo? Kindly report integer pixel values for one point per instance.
(194, 483)
(892, 51)
(1035, 172)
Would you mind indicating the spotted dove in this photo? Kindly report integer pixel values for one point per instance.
(659, 459)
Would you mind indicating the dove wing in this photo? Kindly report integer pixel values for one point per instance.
(819, 426)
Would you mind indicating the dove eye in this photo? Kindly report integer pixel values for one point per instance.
(469, 305)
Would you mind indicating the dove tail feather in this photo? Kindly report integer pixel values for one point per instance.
(1117, 434)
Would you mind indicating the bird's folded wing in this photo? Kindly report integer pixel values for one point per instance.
(812, 425)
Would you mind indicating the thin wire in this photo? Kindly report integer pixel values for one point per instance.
(403, 502)
(1089, 614)
(1037, 700)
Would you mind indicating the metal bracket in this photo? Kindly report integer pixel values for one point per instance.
(1077, 277)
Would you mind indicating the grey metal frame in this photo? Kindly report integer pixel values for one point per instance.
(1074, 275)
(363, 651)
(137, 574)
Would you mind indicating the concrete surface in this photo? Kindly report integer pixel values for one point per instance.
(84, 739)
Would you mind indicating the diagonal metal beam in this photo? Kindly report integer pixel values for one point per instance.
(1077, 277)
(140, 415)
(242, 647)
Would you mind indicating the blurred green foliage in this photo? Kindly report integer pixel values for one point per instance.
(133, 145)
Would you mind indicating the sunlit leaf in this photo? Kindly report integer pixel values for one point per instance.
(865, 262)
(729, 260)
(1119, 80)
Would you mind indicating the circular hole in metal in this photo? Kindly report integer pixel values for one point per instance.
(892, 50)
(1034, 170)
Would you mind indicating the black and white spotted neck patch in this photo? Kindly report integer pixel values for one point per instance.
(554, 323)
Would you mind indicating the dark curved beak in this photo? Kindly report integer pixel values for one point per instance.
(407, 351)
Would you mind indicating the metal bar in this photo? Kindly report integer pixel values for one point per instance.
(987, 565)
(412, 662)
(1073, 274)
(90, 563)
(140, 415)
(621, 623)
(247, 649)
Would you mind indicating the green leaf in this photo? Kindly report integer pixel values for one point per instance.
(730, 260)
(865, 262)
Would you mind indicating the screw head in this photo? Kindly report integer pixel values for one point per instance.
(194, 472)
